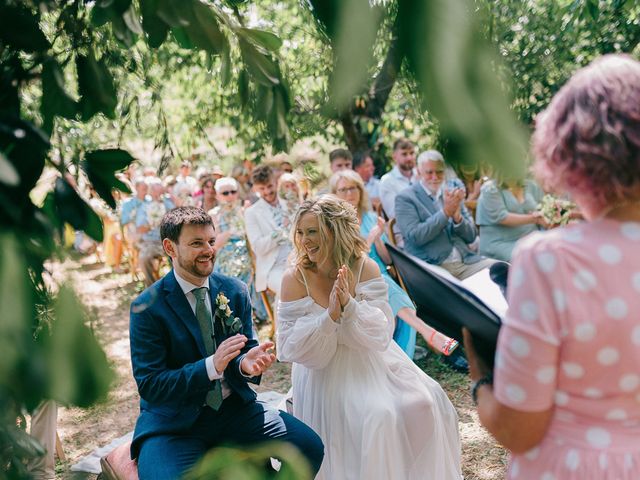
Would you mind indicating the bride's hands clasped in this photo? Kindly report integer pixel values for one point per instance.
(340, 295)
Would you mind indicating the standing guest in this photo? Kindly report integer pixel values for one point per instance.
(378, 414)
(217, 172)
(289, 192)
(340, 159)
(348, 186)
(435, 224)
(286, 167)
(148, 218)
(267, 228)
(241, 174)
(208, 199)
(507, 211)
(185, 178)
(363, 165)
(567, 387)
(192, 368)
(402, 175)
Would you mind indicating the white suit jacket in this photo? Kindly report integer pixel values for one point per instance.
(260, 225)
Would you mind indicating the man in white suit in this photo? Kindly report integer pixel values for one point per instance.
(267, 227)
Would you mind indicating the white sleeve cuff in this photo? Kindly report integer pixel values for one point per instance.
(212, 373)
(240, 367)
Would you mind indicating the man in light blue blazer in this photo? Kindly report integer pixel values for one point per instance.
(193, 359)
(435, 224)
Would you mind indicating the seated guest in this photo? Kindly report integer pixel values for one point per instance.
(232, 255)
(507, 211)
(566, 394)
(363, 165)
(401, 176)
(434, 222)
(267, 227)
(130, 206)
(192, 367)
(347, 185)
(208, 199)
(148, 218)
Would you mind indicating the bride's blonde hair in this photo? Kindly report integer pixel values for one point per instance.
(337, 219)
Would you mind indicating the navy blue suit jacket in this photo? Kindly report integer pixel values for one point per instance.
(427, 232)
(168, 355)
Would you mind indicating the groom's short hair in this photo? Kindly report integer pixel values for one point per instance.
(173, 220)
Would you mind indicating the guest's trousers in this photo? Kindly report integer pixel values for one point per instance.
(464, 270)
(235, 424)
(43, 428)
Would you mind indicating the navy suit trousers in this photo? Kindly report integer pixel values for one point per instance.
(236, 423)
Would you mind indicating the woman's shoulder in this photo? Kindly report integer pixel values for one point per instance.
(489, 187)
(293, 285)
(370, 270)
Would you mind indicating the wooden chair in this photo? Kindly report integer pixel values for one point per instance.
(131, 251)
(393, 271)
(59, 449)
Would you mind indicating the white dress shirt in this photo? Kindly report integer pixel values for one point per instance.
(187, 288)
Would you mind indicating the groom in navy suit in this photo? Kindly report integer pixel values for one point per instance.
(192, 363)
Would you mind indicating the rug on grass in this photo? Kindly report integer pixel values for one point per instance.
(91, 463)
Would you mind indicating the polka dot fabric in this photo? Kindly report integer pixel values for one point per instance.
(571, 341)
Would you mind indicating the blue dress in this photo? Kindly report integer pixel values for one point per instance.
(404, 335)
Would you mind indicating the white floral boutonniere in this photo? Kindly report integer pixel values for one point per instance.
(230, 324)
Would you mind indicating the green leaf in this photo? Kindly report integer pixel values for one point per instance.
(174, 12)
(225, 67)
(204, 30)
(132, 21)
(75, 211)
(122, 31)
(78, 368)
(97, 90)
(264, 101)
(19, 28)
(100, 166)
(55, 99)
(49, 209)
(155, 28)
(356, 34)
(8, 173)
(261, 67)
(263, 38)
(25, 147)
(243, 88)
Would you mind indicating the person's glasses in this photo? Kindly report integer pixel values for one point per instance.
(344, 190)
(229, 192)
(439, 173)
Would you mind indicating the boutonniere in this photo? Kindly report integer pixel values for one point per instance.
(230, 324)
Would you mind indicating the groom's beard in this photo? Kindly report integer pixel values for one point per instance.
(197, 268)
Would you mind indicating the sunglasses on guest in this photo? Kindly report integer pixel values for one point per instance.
(228, 192)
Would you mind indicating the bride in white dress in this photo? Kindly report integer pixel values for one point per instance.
(379, 415)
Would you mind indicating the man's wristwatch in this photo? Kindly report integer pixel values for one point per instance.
(486, 380)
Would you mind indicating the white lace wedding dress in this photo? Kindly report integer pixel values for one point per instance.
(378, 414)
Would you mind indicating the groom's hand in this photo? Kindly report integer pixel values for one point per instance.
(258, 360)
(227, 351)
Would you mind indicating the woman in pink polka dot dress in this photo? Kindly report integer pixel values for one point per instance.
(566, 399)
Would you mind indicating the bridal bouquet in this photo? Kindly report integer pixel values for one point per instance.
(556, 211)
(230, 324)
